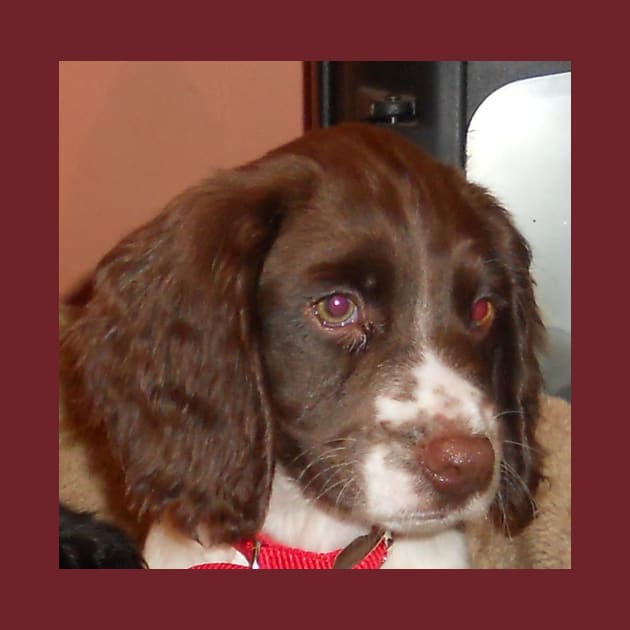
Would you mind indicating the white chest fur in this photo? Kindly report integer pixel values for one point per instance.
(445, 550)
(296, 522)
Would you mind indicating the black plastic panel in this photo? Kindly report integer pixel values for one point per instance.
(442, 94)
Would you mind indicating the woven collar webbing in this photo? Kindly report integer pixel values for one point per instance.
(265, 554)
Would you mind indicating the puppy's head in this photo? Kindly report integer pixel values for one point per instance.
(345, 307)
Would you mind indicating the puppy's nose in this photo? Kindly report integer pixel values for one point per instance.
(458, 465)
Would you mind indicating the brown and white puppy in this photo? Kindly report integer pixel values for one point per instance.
(337, 336)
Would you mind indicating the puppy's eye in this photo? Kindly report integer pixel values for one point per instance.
(337, 310)
(482, 313)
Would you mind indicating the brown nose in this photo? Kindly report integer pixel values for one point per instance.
(458, 465)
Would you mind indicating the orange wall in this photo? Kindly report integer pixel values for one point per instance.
(134, 134)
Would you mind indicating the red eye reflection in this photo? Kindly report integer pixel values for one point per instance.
(337, 310)
(482, 312)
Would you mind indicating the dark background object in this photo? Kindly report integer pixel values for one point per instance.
(433, 102)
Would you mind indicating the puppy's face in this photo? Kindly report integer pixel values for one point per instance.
(344, 307)
(386, 308)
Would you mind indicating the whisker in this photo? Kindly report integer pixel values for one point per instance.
(506, 525)
(348, 482)
(323, 457)
(508, 412)
(328, 486)
(327, 470)
(319, 445)
(522, 445)
(513, 479)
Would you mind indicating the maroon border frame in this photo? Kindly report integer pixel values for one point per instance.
(43, 35)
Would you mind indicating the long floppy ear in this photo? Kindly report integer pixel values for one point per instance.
(518, 385)
(164, 353)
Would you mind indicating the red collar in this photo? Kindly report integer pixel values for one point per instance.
(365, 552)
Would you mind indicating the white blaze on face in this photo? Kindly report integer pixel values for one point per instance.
(439, 391)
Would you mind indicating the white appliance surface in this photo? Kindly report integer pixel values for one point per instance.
(518, 146)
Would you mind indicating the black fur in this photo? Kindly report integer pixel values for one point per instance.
(88, 543)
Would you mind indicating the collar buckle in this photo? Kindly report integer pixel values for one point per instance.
(253, 555)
